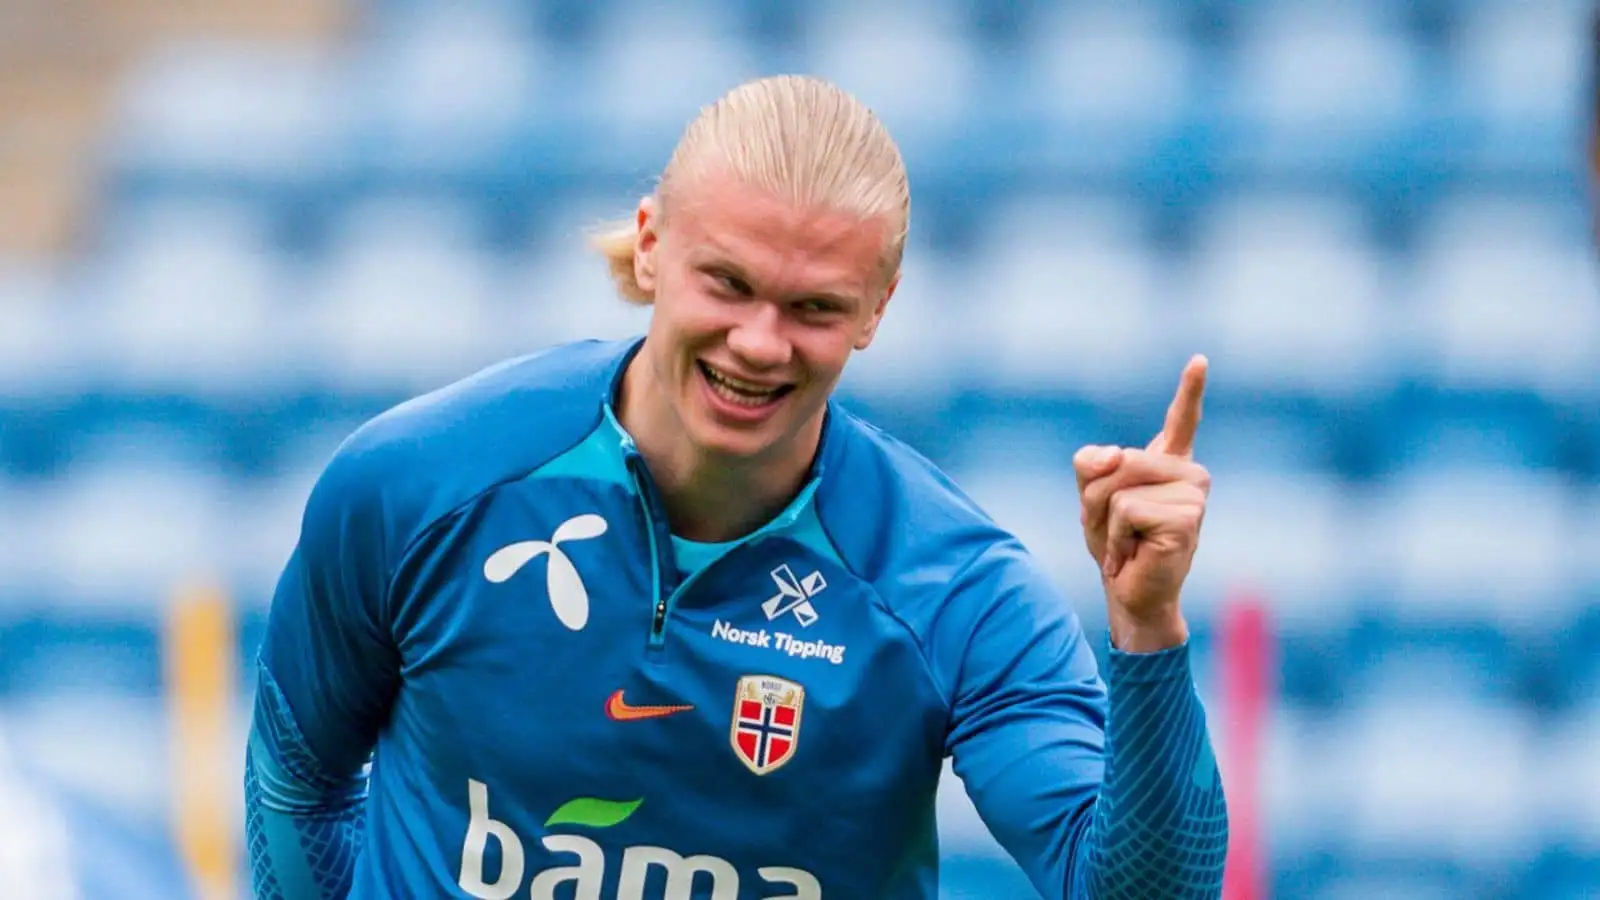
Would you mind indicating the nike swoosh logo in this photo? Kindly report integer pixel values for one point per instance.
(620, 710)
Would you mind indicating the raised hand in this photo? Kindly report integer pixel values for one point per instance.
(1142, 511)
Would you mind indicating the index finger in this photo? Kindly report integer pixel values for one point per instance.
(1183, 415)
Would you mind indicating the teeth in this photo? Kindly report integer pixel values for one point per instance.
(741, 392)
(738, 384)
(733, 396)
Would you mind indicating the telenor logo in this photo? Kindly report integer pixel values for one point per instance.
(568, 597)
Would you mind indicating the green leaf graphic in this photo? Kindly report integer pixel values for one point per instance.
(593, 812)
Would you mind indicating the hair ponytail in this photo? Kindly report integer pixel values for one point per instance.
(616, 242)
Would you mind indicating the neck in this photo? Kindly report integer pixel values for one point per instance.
(709, 497)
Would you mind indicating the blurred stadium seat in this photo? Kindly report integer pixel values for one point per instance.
(1369, 214)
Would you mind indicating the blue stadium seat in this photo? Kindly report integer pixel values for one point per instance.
(1436, 541)
(1263, 432)
(1321, 86)
(1065, 304)
(123, 534)
(1503, 295)
(1560, 874)
(445, 87)
(1431, 427)
(83, 651)
(1578, 434)
(235, 116)
(560, 291)
(1569, 681)
(403, 303)
(1288, 295)
(1112, 82)
(635, 43)
(1304, 573)
(911, 62)
(1463, 659)
(37, 347)
(1519, 80)
(187, 299)
(125, 765)
(134, 428)
(1315, 666)
(1416, 792)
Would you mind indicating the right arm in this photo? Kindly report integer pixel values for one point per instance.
(326, 675)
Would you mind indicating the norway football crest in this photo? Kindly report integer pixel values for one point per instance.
(766, 721)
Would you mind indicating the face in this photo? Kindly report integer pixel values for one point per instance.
(758, 305)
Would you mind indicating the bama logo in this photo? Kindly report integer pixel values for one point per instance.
(568, 597)
(589, 867)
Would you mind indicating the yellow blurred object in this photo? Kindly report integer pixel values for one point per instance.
(200, 668)
(59, 65)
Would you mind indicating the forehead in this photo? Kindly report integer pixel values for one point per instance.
(775, 242)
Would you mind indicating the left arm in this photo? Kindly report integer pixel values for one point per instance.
(1097, 790)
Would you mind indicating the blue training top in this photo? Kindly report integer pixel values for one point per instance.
(559, 698)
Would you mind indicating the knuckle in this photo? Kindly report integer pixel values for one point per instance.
(1122, 505)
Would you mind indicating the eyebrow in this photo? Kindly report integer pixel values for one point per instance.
(720, 263)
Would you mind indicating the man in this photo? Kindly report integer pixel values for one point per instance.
(657, 619)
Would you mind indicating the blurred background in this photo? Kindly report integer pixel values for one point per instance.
(231, 231)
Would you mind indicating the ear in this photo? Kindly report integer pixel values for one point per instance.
(644, 257)
(870, 330)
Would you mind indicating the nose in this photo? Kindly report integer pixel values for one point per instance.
(758, 338)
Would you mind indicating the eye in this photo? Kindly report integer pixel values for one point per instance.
(818, 306)
(729, 284)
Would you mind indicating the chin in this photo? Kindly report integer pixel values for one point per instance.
(734, 444)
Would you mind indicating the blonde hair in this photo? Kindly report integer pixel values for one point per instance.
(802, 138)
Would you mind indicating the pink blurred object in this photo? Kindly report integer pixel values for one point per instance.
(1246, 656)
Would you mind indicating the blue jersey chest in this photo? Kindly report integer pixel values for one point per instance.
(562, 679)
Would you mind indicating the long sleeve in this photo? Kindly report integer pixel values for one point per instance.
(1100, 790)
(325, 678)
(1161, 823)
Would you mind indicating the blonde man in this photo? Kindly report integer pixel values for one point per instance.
(656, 619)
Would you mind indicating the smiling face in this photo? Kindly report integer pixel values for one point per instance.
(758, 304)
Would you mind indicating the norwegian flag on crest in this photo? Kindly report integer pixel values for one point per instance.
(766, 721)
